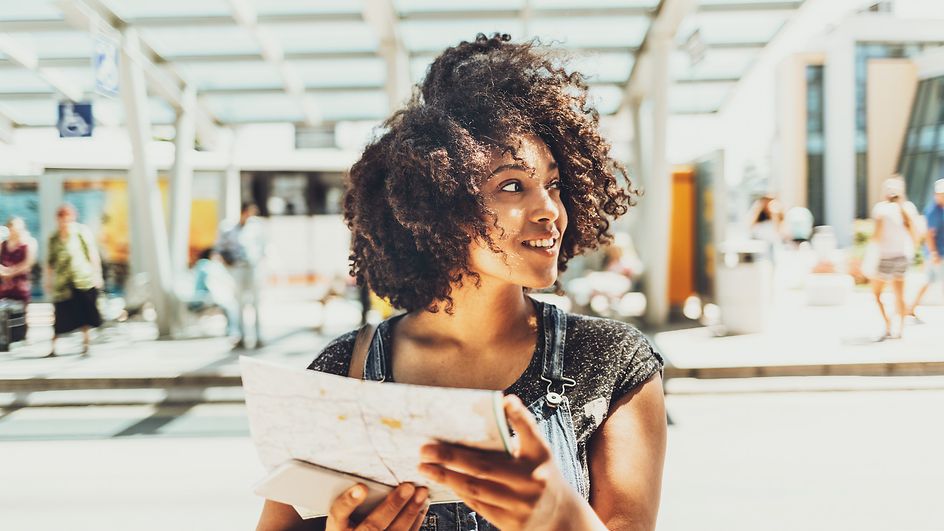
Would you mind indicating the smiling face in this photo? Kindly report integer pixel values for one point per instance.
(530, 219)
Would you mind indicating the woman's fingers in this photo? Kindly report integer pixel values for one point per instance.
(385, 513)
(410, 512)
(344, 505)
(494, 466)
(531, 444)
(468, 487)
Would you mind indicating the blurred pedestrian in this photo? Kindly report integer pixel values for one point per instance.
(242, 246)
(933, 244)
(766, 223)
(74, 277)
(214, 288)
(17, 256)
(894, 236)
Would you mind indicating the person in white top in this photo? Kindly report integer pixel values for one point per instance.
(894, 235)
(242, 246)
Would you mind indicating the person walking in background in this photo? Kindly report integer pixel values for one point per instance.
(933, 243)
(213, 287)
(766, 223)
(17, 256)
(73, 276)
(894, 236)
(242, 247)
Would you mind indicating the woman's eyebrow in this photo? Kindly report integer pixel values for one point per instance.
(520, 167)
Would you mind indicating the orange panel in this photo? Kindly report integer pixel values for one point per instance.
(682, 236)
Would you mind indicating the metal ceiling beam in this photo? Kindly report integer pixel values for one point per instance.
(381, 15)
(227, 20)
(244, 13)
(25, 56)
(666, 22)
(750, 6)
(6, 128)
(92, 15)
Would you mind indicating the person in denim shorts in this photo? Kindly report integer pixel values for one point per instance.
(478, 191)
(933, 243)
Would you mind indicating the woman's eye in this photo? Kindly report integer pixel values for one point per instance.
(513, 186)
(556, 185)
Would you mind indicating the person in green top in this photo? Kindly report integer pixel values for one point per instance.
(73, 277)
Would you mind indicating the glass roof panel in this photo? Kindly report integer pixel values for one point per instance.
(576, 32)
(718, 63)
(698, 97)
(366, 72)
(758, 2)
(207, 40)
(603, 67)
(606, 98)
(136, 9)
(57, 44)
(17, 79)
(80, 76)
(37, 112)
(734, 27)
(327, 37)
(241, 108)
(31, 10)
(241, 74)
(335, 106)
(578, 4)
(413, 6)
(306, 7)
(437, 35)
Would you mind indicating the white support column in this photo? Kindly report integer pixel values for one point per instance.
(182, 182)
(230, 188)
(145, 198)
(839, 159)
(658, 211)
(383, 19)
(50, 197)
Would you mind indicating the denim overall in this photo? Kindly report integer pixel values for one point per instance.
(551, 411)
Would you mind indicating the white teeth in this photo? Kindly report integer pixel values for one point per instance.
(541, 243)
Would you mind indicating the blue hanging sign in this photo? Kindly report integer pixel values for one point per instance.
(75, 119)
(105, 65)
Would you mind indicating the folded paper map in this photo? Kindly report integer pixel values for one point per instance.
(368, 429)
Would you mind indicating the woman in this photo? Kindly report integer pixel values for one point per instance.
(74, 276)
(895, 234)
(482, 188)
(17, 256)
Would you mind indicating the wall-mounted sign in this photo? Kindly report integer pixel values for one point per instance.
(75, 119)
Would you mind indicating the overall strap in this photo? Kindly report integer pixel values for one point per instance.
(359, 354)
(376, 363)
(555, 336)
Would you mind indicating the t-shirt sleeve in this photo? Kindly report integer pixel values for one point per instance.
(638, 361)
(335, 358)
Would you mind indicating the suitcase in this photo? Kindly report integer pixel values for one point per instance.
(12, 323)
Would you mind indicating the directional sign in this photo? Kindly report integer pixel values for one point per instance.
(75, 119)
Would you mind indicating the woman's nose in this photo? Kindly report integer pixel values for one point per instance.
(545, 209)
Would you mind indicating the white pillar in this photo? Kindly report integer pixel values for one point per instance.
(230, 188)
(839, 158)
(145, 197)
(182, 182)
(658, 198)
(50, 197)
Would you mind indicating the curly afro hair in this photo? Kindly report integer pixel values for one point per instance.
(413, 203)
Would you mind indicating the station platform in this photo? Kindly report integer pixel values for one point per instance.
(128, 365)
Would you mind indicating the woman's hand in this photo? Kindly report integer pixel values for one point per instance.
(506, 490)
(404, 508)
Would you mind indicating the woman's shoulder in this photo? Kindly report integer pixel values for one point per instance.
(335, 357)
(619, 348)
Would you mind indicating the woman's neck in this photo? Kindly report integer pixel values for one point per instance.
(481, 315)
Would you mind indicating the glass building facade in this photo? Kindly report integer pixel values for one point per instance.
(922, 157)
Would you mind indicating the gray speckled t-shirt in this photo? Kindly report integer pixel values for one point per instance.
(607, 358)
